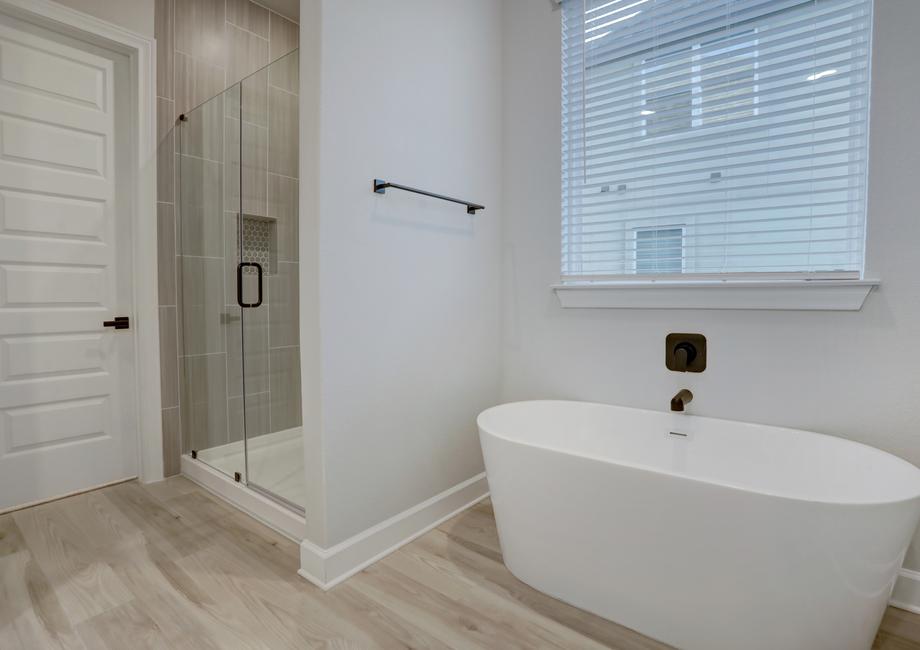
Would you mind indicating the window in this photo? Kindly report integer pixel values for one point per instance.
(659, 250)
(714, 137)
(716, 84)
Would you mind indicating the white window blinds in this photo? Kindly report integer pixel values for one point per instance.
(708, 137)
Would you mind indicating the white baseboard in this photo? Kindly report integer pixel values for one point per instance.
(328, 567)
(906, 593)
(265, 510)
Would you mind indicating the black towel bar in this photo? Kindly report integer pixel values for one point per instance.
(380, 187)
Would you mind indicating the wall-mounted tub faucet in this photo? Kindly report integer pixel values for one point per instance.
(679, 401)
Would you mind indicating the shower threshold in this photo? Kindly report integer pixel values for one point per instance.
(276, 484)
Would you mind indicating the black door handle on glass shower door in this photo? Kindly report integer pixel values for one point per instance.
(239, 284)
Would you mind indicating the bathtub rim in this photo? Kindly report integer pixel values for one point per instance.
(723, 484)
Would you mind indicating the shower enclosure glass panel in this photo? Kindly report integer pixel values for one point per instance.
(269, 236)
(210, 326)
(238, 275)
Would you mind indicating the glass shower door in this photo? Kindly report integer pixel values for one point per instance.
(210, 320)
(268, 252)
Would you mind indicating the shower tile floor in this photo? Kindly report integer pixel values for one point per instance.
(275, 462)
(169, 566)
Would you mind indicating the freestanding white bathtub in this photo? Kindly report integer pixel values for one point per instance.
(705, 534)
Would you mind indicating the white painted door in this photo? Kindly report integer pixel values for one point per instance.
(67, 384)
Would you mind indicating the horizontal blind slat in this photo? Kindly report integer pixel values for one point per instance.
(765, 189)
(771, 54)
(699, 168)
(599, 228)
(591, 238)
(625, 108)
(746, 146)
(637, 133)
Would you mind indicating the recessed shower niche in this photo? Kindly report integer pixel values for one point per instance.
(238, 283)
(258, 243)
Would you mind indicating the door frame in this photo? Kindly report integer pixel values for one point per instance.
(141, 53)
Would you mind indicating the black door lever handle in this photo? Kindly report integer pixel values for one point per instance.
(120, 323)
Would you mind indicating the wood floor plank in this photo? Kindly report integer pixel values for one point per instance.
(31, 616)
(104, 527)
(476, 530)
(170, 566)
(11, 540)
(159, 524)
(492, 576)
(533, 629)
(83, 583)
(376, 625)
(127, 625)
(411, 601)
(900, 623)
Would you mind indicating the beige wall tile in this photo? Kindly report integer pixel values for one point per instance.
(204, 401)
(283, 142)
(165, 147)
(285, 389)
(172, 441)
(256, 417)
(180, 299)
(246, 53)
(284, 306)
(202, 133)
(200, 29)
(163, 32)
(166, 253)
(202, 305)
(254, 98)
(283, 36)
(254, 152)
(255, 168)
(285, 73)
(166, 120)
(196, 81)
(169, 358)
(284, 206)
(200, 207)
(254, 327)
(249, 16)
(231, 256)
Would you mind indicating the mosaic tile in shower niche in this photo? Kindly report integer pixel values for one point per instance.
(260, 243)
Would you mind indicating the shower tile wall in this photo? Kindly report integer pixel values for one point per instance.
(204, 47)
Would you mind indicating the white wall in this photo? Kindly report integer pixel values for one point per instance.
(849, 374)
(135, 15)
(409, 316)
(310, 342)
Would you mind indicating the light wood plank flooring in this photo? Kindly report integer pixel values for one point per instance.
(170, 566)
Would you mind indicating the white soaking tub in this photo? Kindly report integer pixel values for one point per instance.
(705, 534)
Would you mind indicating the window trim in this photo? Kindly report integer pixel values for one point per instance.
(733, 292)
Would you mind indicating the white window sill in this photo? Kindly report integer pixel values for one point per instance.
(818, 295)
